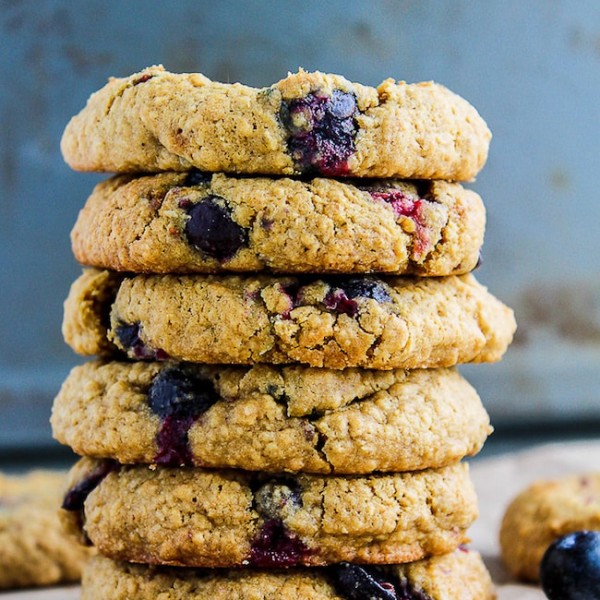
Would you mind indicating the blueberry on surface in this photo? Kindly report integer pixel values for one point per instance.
(365, 287)
(211, 229)
(570, 567)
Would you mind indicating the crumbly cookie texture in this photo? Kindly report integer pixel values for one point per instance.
(540, 514)
(460, 575)
(335, 323)
(267, 418)
(306, 123)
(201, 223)
(34, 549)
(207, 518)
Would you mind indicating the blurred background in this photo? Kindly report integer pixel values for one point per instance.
(532, 69)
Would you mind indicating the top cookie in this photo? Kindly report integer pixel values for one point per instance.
(306, 123)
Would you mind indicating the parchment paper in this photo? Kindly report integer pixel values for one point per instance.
(497, 481)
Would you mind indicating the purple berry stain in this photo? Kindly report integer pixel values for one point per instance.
(211, 229)
(76, 496)
(275, 547)
(404, 205)
(357, 582)
(322, 131)
(341, 296)
(179, 398)
(128, 335)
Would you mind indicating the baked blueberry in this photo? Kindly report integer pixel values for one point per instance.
(197, 177)
(276, 547)
(570, 567)
(76, 496)
(178, 397)
(341, 297)
(322, 131)
(128, 335)
(211, 229)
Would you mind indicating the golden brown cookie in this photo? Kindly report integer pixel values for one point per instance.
(544, 512)
(202, 223)
(34, 549)
(210, 518)
(335, 322)
(306, 123)
(268, 418)
(460, 575)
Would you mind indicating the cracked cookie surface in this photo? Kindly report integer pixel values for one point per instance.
(197, 222)
(267, 418)
(306, 123)
(335, 322)
(34, 549)
(542, 513)
(192, 517)
(460, 575)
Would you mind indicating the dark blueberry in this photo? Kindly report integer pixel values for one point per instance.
(179, 393)
(211, 229)
(76, 496)
(129, 337)
(570, 567)
(197, 177)
(276, 547)
(343, 291)
(365, 287)
(178, 397)
(356, 582)
(322, 130)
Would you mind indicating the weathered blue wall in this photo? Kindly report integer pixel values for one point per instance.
(531, 68)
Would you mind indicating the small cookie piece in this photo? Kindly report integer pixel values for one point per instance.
(460, 575)
(334, 322)
(306, 123)
(34, 549)
(207, 518)
(541, 514)
(201, 223)
(268, 418)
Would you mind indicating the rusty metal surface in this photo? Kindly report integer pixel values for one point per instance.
(532, 69)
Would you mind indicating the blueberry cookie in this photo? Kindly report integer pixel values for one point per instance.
(334, 322)
(306, 123)
(541, 514)
(207, 518)
(460, 575)
(34, 550)
(202, 223)
(267, 418)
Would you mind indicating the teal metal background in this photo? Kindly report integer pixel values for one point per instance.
(531, 68)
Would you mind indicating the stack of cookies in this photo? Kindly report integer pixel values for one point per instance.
(277, 290)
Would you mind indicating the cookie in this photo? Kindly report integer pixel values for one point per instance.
(541, 514)
(267, 418)
(207, 518)
(460, 575)
(34, 550)
(331, 322)
(306, 123)
(202, 223)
